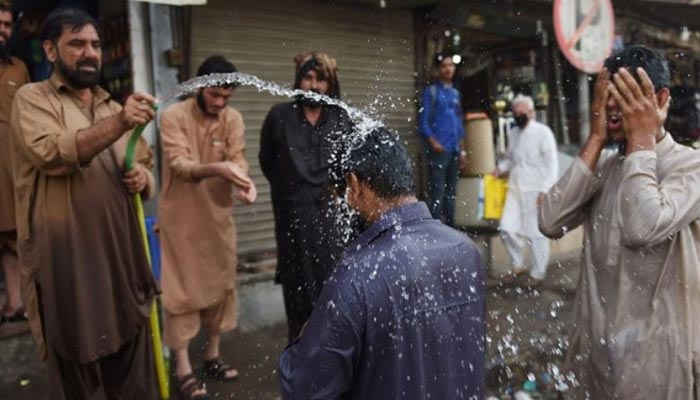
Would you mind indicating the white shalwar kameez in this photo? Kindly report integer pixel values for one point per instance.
(636, 331)
(533, 168)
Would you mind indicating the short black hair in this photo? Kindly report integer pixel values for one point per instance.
(63, 17)
(217, 65)
(440, 57)
(381, 162)
(5, 7)
(632, 57)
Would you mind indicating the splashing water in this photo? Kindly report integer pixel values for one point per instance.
(363, 125)
(510, 347)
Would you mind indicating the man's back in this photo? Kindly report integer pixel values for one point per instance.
(403, 315)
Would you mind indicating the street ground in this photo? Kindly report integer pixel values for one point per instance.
(527, 331)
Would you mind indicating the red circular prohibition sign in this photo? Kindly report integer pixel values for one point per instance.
(570, 37)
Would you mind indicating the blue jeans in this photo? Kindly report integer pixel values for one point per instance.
(443, 173)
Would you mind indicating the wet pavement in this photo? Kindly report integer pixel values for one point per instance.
(528, 330)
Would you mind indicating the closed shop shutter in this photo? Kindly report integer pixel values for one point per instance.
(375, 53)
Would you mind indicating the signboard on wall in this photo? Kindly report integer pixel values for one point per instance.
(585, 31)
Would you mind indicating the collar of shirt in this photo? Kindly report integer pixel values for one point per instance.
(397, 215)
(442, 85)
(665, 145)
(302, 116)
(60, 86)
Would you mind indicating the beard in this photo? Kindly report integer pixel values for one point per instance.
(203, 105)
(5, 56)
(309, 102)
(77, 78)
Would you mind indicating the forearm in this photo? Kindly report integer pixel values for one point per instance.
(653, 209)
(590, 153)
(91, 141)
(204, 171)
(562, 208)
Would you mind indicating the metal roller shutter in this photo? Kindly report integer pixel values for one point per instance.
(375, 53)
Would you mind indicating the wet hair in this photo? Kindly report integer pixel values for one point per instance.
(217, 65)
(63, 17)
(440, 57)
(381, 162)
(636, 56)
(325, 66)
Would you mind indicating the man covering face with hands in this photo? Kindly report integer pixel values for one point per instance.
(637, 323)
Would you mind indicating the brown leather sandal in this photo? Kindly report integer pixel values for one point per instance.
(189, 384)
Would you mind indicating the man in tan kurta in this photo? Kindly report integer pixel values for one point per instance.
(13, 74)
(637, 329)
(203, 165)
(79, 242)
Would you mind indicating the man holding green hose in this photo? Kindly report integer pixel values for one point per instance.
(87, 281)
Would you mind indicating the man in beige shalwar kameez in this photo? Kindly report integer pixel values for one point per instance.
(86, 280)
(637, 331)
(204, 166)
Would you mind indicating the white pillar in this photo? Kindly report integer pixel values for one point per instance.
(584, 102)
(141, 57)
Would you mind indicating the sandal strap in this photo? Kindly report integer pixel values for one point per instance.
(188, 385)
(218, 368)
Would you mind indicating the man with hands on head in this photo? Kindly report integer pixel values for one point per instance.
(87, 283)
(636, 332)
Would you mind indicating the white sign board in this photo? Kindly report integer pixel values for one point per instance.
(585, 31)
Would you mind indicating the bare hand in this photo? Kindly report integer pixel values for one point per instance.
(436, 146)
(462, 160)
(234, 174)
(247, 195)
(136, 179)
(598, 112)
(641, 115)
(496, 173)
(138, 110)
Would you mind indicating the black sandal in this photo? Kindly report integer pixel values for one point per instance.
(189, 384)
(219, 370)
(19, 316)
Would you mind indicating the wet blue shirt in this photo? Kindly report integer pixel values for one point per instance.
(441, 116)
(402, 317)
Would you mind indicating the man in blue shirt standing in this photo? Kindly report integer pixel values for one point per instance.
(403, 315)
(441, 126)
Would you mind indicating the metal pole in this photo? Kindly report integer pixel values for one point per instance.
(583, 107)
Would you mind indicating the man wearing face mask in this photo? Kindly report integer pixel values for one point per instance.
(295, 144)
(204, 166)
(532, 167)
(13, 74)
(85, 273)
(402, 316)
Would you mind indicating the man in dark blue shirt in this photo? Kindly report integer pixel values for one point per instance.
(402, 316)
(441, 127)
